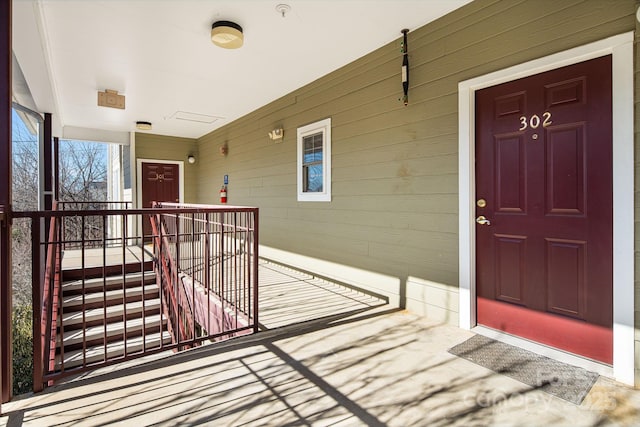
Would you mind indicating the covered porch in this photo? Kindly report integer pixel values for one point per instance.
(370, 365)
(362, 298)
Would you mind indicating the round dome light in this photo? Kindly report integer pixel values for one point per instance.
(227, 34)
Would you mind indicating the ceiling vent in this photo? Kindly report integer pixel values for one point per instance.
(110, 98)
(194, 117)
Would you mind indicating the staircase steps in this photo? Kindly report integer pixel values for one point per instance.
(108, 298)
(94, 335)
(109, 318)
(115, 350)
(114, 313)
(97, 284)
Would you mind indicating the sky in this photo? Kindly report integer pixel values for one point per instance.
(20, 132)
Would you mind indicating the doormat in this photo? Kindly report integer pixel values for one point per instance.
(559, 379)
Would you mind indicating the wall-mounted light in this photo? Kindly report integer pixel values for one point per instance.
(224, 149)
(191, 159)
(227, 34)
(143, 125)
(276, 135)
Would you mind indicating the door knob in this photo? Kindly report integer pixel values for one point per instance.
(482, 220)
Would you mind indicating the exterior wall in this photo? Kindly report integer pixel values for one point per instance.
(392, 225)
(158, 147)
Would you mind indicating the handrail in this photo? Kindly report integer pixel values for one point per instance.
(168, 272)
(62, 205)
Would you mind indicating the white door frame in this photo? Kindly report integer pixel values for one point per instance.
(621, 49)
(139, 163)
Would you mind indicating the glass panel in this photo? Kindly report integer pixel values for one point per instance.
(313, 178)
(313, 148)
(24, 142)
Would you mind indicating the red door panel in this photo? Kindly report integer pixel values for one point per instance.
(510, 259)
(544, 167)
(510, 164)
(160, 183)
(566, 170)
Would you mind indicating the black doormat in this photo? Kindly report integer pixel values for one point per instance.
(559, 379)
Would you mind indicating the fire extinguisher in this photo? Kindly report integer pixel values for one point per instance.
(223, 194)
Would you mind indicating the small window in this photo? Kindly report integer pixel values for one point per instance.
(314, 162)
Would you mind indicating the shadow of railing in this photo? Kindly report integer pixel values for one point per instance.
(375, 367)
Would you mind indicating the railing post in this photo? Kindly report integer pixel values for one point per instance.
(255, 270)
(56, 169)
(6, 382)
(47, 166)
(36, 304)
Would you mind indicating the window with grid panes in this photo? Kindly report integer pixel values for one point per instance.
(314, 161)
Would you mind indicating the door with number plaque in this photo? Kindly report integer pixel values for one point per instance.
(544, 209)
(160, 183)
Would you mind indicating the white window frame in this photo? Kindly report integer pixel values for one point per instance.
(324, 127)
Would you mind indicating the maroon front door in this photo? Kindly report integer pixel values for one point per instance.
(544, 208)
(160, 183)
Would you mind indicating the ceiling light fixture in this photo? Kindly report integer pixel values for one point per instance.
(227, 34)
(143, 125)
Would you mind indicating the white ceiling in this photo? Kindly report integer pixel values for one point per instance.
(159, 54)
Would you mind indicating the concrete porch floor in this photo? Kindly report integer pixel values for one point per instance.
(352, 361)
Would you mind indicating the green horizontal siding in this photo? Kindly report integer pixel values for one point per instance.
(160, 147)
(395, 169)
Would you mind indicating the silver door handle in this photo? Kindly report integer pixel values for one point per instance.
(482, 220)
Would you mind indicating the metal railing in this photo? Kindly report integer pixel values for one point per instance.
(213, 251)
(92, 227)
(94, 205)
(99, 300)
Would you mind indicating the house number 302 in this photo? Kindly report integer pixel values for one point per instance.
(534, 121)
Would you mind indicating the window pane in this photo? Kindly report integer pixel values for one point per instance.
(313, 178)
(312, 148)
(312, 157)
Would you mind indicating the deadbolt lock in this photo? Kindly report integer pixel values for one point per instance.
(481, 203)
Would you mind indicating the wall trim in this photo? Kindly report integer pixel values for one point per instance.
(621, 49)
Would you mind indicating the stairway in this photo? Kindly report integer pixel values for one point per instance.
(108, 318)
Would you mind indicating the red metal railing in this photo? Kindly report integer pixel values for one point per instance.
(49, 291)
(213, 250)
(103, 299)
(91, 227)
(176, 308)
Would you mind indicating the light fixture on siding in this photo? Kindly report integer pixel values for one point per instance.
(405, 67)
(191, 159)
(276, 135)
(227, 34)
(143, 125)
